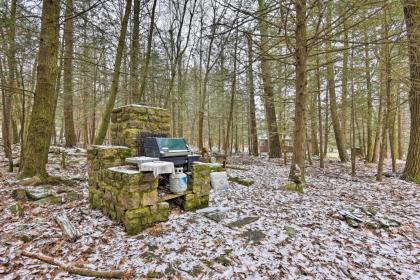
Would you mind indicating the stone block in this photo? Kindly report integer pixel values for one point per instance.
(193, 202)
(149, 198)
(129, 200)
(137, 213)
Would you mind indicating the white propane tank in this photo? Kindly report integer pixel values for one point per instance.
(178, 181)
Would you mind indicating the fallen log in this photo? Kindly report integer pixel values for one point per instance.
(236, 167)
(69, 230)
(77, 270)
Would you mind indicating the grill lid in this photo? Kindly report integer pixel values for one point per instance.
(165, 147)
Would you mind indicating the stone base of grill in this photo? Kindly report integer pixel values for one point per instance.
(131, 197)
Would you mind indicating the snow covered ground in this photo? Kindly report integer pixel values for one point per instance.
(261, 231)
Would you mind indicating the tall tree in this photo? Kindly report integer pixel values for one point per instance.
(386, 79)
(40, 127)
(320, 132)
(115, 77)
(412, 21)
(344, 84)
(301, 95)
(270, 111)
(135, 49)
(9, 94)
(69, 132)
(232, 96)
(338, 132)
(369, 153)
(145, 71)
(251, 91)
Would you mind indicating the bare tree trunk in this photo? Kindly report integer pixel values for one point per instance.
(253, 147)
(69, 132)
(412, 20)
(270, 112)
(84, 88)
(135, 48)
(369, 153)
(301, 95)
(320, 132)
(40, 127)
(145, 71)
(400, 130)
(6, 123)
(392, 131)
(338, 132)
(327, 125)
(353, 122)
(181, 106)
(344, 85)
(314, 125)
(115, 78)
(233, 93)
(382, 96)
(386, 57)
(7, 96)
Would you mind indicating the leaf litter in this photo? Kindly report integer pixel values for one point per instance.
(281, 234)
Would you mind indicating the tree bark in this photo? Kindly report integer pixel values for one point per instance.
(392, 130)
(369, 153)
(145, 71)
(338, 132)
(412, 20)
(40, 127)
(8, 95)
(69, 132)
(232, 97)
(400, 130)
(115, 78)
(253, 147)
(135, 48)
(268, 97)
(84, 88)
(344, 86)
(320, 132)
(314, 125)
(299, 131)
(386, 57)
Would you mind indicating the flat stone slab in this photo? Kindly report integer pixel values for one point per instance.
(126, 169)
(253, 236)
(38, 193)
(140, 160)
(242, 222)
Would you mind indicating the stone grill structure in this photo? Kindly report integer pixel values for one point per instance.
(127, 195)
(128, 121)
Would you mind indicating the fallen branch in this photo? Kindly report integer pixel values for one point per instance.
(236, 167)
(77, 270)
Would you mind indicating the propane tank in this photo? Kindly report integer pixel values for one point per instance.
(178, 181)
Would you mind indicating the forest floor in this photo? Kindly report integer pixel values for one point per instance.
(339, 228)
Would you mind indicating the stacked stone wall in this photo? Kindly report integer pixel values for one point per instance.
(128, 121)
(123, 193)
(199, 185)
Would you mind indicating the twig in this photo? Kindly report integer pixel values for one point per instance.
(77, 270)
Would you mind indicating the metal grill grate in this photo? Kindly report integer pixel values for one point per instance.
(140, 140)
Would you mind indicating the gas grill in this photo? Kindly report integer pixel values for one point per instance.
(167, 149)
